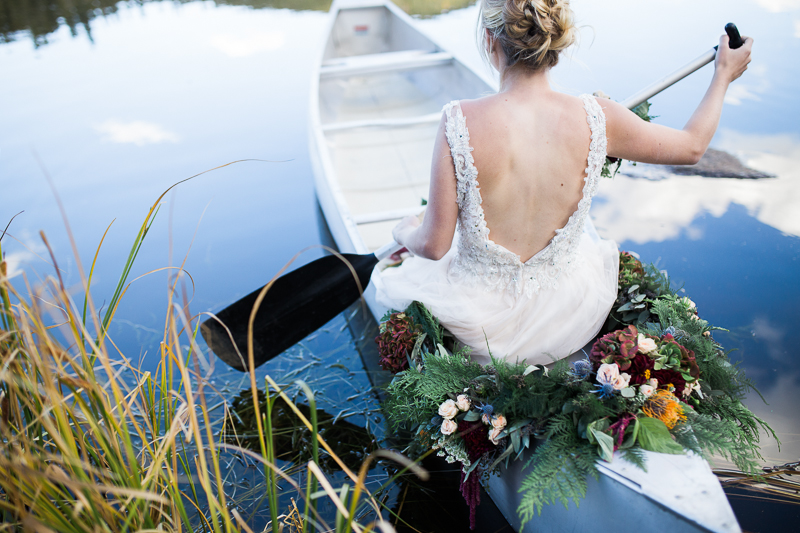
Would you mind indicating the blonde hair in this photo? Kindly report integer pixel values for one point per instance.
(530, 32)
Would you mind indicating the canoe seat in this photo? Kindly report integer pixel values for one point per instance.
(430, 118)
(386, 62)
(383, 216)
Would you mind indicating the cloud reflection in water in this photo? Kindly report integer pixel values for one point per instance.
(661, 207)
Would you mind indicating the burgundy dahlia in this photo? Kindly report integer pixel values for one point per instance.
(396, 342)
(640, 364)
(666, 377)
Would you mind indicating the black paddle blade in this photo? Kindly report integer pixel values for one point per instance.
(296, 305)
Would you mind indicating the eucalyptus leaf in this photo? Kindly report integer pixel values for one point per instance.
(633, 288)
(516, 442)
(472, 416)
(626, 307)
(605, 443)
(628, 392)
(531, 368)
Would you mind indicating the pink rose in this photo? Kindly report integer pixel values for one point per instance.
(449, 426)
(448, 409)
(494, 435)
(622, 381)
(499, 422)
(646, 345)
(646, 390)
(608, 373)
(463, 402)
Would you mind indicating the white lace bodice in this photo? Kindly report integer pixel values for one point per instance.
(478, 258)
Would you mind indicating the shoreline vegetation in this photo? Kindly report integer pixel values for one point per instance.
(89, 442)
(28, 19)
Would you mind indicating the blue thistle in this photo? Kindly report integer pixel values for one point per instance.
(487, 409)
(581, 370)
(606, 390)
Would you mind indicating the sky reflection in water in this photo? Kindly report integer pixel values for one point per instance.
(167, 90)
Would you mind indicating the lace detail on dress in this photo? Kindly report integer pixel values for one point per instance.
(478, 258)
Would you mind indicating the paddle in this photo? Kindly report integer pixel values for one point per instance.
(296, 304)
(305, 299)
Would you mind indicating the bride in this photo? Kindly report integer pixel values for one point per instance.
(513, 175)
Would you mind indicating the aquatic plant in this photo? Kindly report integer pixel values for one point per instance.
(90, 442)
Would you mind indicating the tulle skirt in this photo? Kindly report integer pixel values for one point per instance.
(550, 326)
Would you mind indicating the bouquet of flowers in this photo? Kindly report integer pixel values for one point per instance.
(658, 382)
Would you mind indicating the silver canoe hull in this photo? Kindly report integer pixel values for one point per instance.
(376, 99)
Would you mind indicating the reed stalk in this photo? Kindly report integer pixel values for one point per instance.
(89, 442)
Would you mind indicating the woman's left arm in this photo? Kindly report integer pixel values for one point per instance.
(433, 237)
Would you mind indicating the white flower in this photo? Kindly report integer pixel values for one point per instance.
(646, 390)
(622, 381)
(449, 426)
(653, 382)
(494, 435)
(608, 373)
(689, 303)
(646, 345)
(499, 422)
(448, 409)
(697, 389)
(463, 402)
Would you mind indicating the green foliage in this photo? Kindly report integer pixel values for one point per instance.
(558, 470)
(655, 437)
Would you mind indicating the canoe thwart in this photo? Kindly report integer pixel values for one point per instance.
(430, 118)
(386, 62)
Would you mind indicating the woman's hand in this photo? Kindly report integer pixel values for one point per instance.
(405, 228)
(729, 63)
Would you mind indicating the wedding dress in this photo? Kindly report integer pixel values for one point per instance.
(536, 311)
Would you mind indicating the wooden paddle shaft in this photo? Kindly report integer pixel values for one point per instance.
(735, 41)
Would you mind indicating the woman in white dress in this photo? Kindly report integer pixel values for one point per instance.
(540, 286)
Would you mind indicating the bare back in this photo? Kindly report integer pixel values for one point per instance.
(531, 157)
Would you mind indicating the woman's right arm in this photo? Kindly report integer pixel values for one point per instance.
(634, 139)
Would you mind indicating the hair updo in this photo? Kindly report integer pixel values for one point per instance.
(531, 32)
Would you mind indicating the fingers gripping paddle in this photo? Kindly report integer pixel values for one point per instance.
(296, 304)
(305, 299)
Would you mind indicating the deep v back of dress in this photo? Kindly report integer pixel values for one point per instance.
(539, 310)
(480, 259)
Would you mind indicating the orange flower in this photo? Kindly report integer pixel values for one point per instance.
(664, 406)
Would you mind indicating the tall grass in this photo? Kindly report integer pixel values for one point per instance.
(88, 442)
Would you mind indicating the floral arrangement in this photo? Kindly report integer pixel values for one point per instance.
(656, 381)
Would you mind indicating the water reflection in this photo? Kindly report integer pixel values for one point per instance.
(663, 206)
(38, 20)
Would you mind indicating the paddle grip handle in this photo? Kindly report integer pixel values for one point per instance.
(734, 39)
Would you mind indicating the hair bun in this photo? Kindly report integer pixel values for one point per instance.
(533, 32)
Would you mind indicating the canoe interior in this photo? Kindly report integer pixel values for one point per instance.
(372, 30)
(382, 167)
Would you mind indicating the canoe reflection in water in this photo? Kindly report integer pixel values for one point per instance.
(293, 441)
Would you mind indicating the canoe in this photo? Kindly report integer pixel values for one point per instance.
(376, 99)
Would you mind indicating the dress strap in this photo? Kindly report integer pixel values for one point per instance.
(458, 139)
(598, 146)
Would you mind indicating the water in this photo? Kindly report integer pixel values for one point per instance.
(117, 108)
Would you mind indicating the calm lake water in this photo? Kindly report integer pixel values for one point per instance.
(116, 102)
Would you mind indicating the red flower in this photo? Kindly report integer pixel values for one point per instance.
(476, 439)
(667, 377)
(640, 364)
